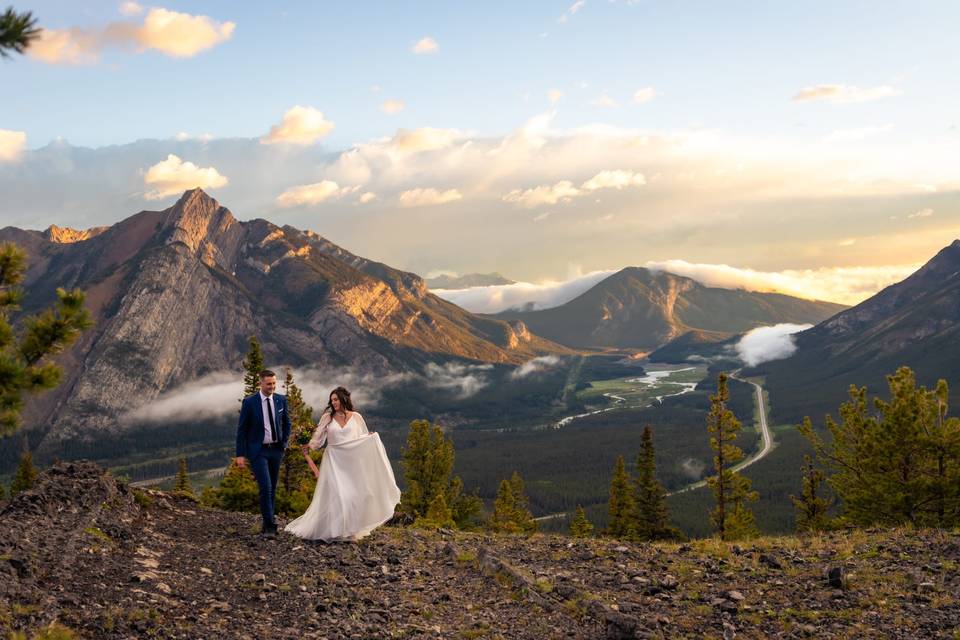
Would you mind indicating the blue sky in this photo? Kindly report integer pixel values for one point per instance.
(861, 173)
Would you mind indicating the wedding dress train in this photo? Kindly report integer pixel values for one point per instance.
(356, 489)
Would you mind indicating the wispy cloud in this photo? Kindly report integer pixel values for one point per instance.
(426, 45)
(564, 191)
(646, 94)
(428, 197)
(859, 133)
(172, 33)
(604, 101)
(534, 366)
(844, 94)
(173, 176)
(300, 125)
(554, 96)
(922, 213)
(572, 10)
(464, 380)
(392, 106)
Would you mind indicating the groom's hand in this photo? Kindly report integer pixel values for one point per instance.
(241, 462)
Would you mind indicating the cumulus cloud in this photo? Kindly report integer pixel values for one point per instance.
(215, 394)
(564, 191)
(844, 94)
(367, 196)
(769, 343)
(464, 380)
(174, 176)
(428, 197)
(846, 285)
(300, 125)
(922, 213)
(313, 193)
(425, 45)
(12, 144)
(392, 106)
(536, 365)
(172, 33)
(130, 9)
(646, 94)
(543, 295)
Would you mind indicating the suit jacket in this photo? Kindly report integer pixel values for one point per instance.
(250, 427)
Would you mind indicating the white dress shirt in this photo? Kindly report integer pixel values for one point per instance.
(267, 433)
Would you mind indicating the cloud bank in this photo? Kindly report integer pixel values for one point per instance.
(769, 343)
(545, 295)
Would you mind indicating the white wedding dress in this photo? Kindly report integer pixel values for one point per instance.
(356, 490)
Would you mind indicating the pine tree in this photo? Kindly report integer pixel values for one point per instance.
(650, 495)
(252, 366)
(428, 467)
(811, 507)
(296, 483)
(238, 491)
(521, 505)
(25, 475)
(580, 527)
(17, 31)
(438, 514)
(899, 465)
(622, 506)
(731, 518)
(504, 510)
(25, 352)
(182, 484)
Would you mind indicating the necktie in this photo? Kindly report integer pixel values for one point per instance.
(273, 424)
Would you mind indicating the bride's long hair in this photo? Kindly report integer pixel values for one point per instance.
(344, 396)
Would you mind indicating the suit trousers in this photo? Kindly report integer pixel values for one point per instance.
(266, 469)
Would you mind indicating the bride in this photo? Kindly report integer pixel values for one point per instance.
(356, 490)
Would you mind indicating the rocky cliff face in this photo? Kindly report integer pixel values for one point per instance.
(104, 561)
(176, 293)
(65, 235)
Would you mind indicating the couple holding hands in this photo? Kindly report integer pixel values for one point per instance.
(356, 490)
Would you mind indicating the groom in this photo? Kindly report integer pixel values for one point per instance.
(262, 435)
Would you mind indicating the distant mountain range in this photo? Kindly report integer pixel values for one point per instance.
(467, 281)
(915, 323)
(637, 308)
(176, 293)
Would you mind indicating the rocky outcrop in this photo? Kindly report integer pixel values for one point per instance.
(89, 554)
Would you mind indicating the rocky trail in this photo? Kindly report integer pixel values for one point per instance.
(106, 561)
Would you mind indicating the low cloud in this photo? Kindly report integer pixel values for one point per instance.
(217, 394)
(536, 365)
(693, 468)
(844, 94)
(174, 176)
(428, 197)
(464, 380)
(172, 33)
(300, 125)
(769, 343)
(542, 295)
(425, 45)
(846, 285)
(316, 193)
(12, 144)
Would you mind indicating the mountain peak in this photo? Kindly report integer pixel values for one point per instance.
(198, 221)
(66, 235)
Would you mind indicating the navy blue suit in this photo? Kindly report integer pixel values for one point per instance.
(264, 460)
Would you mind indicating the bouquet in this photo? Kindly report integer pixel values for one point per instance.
(304, 435)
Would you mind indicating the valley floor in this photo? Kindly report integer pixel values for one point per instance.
(91, 555)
